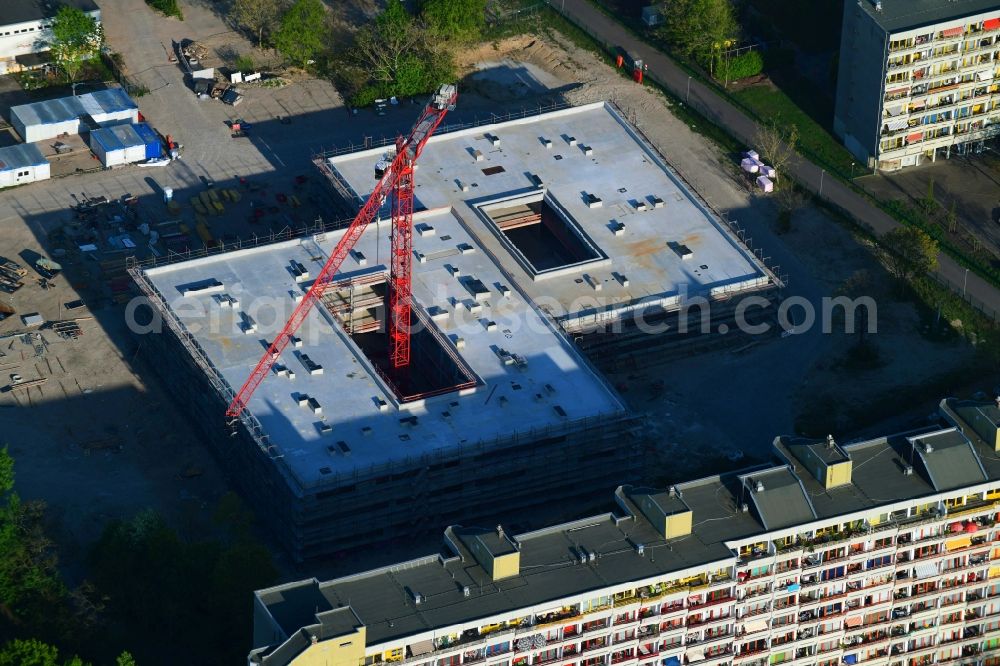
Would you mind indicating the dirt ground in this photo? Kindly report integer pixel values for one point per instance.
(97, 440)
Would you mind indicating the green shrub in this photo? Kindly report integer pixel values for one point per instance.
(166, 7)
(244, 63)
(742, 66)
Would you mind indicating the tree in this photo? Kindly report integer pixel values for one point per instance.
(6, 472)
(699, 28)
(258, 15)
(859, 285)
(143, 558)
(393, 55)
(125, 659)
(909, 252)
(775, 145)
(29, 653)
(300, 36)
(29, 581)
(76, 38)
(382, 46)
(461, 20)
(33, 652)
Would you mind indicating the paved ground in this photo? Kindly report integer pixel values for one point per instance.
(665, 71)
(972, 184)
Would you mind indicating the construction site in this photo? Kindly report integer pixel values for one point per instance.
(504, 248)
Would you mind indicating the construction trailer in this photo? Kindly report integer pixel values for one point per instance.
(40, 121)
(125, 144)
(22, 164)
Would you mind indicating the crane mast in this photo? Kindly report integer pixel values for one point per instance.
(396, 179)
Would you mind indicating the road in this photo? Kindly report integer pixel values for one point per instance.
(665, 72)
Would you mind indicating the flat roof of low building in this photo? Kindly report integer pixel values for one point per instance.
(20, 155)
(550, 571)
(62, 109)
(902, 15)
(652, 237)
(22, 11)
(118, 137)
(529, 378)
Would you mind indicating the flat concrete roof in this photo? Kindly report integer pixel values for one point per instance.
(901, 15)
(552, 390)
(621, 169)
(549, 571)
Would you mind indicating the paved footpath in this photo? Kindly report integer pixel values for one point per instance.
(720, 111)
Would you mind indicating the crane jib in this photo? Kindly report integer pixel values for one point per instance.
(397, 178)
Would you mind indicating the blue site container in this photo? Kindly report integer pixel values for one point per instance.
(154, 148)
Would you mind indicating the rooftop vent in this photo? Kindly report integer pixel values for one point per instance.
(908, 470)
(640, 548)
(466, 591)
(418, 598)
(830, 443)
(759, 486)
(928, 448)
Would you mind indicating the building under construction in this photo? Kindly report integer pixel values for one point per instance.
(496, 413)
(593, 225)
(523, 235)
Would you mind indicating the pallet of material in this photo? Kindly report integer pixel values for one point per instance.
(10, 286)
(12, 267)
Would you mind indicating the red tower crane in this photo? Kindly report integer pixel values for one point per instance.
(396, 178)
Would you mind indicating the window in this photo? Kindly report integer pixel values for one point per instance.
(830, 574)
(594, 604)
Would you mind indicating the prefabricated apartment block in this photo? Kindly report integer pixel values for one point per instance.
(918, 79)
(882, 553)
(497, 411)
(587, 218)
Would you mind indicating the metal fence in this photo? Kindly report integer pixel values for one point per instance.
(962, 292)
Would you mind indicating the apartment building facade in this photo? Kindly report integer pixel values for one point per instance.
(25, 29)
(883, 553)
(918, 80)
